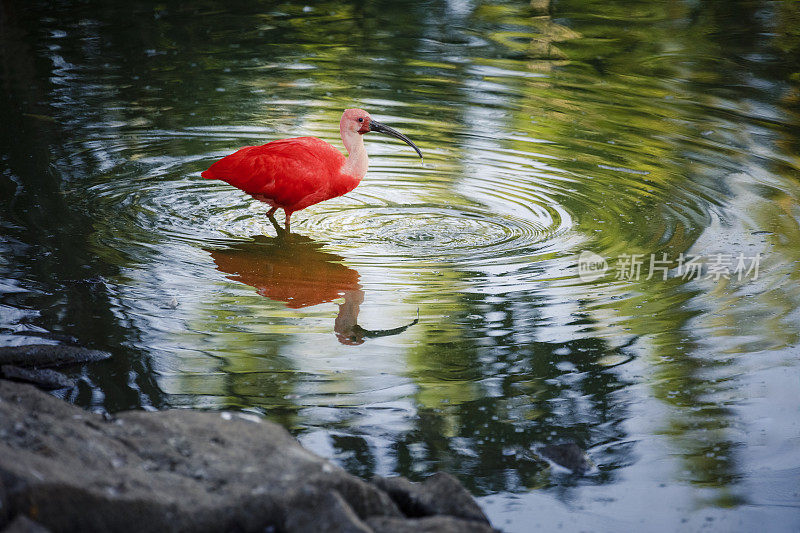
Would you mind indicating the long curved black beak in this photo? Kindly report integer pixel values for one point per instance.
(381, 128)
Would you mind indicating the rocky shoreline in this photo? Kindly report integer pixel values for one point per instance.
(65, 469)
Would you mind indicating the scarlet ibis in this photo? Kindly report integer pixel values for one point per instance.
(295, 173)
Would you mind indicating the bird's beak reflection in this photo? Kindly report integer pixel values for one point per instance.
(346, 326)
(376, 126)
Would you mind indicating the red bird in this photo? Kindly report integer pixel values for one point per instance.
(293, 174)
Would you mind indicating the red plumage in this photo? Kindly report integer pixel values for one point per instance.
(290, 173)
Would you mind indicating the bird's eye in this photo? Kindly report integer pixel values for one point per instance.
(361, 120)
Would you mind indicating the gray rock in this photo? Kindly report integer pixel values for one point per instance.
(70, 470)
(432, 524)
(440, 494)
(23, 524)
(44, 378)
(4, 513)
(47, 355)
(323, 512)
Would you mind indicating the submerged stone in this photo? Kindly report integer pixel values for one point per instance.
(44, 378)
(568, 455)
(47, 355)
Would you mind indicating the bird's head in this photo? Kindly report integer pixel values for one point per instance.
(359, 121)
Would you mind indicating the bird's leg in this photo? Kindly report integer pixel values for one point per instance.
(271, 217)
(288, 216)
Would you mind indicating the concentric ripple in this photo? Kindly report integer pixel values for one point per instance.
(437, 233)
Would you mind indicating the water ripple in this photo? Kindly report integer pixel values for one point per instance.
(427, 232)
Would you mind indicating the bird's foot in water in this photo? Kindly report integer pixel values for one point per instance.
(281, 231)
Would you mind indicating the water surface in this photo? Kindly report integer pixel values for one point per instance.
(639, 131)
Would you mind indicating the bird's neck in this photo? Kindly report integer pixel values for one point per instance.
(357, 160)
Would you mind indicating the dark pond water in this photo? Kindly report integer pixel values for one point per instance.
(661, 136)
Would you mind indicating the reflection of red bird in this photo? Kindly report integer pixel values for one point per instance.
(298, 273)
(293, 174)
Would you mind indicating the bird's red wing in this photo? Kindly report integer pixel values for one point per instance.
(285, 171)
